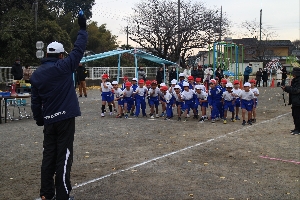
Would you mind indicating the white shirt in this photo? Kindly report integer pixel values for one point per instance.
(127, 93)
(153, 93)
(187, 95)
(141, 91)
(203, 95)
(108, 89)
(176, 96)
(228, 96)
(255, 91)
(118, 93)
(168, 97)
(247, 95)
(237, 92)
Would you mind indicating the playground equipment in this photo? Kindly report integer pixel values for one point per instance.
(224, 55)
(136, 53)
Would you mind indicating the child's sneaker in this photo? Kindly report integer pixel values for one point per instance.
(185, 119)
(119, 116)
(225, 121)
(217, 119)
(213, 120)
(201, 120)
(244, 123)
(126, 116)
(132, 114)
(162, 114)
(110, 113)
(152, 117)
(179, 119)
(167, 118)
(249, 122)
(237, 118)
(253, 120)
(187, 115)
(102, 115)
(232, 120)
(157, 116)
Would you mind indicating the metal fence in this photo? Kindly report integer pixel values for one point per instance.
(94, 73)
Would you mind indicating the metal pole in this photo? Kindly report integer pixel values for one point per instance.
(260, 24)
(209, 53)
(214, 58)
(127, 38)
(119, 67)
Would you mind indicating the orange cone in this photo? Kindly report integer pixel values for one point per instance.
(273, 83)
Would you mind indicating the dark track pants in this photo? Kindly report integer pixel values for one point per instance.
(296, 116)
(57, 159)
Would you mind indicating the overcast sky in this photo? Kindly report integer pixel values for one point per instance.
(281, 16)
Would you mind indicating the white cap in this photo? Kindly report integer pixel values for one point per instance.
(247, 84)
(213, 81)
(229, 85)
(198, 87)
(134, 79)
(174, 81)
(108, 83)
(55, 47)
(181, 74)
(114, 83)
(186, 84)
(162, 84)
(177, 86)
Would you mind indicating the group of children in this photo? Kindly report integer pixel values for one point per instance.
(187, 96)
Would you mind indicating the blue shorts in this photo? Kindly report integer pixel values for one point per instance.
(153, 101)
(121, 102)
(204, 104)
(128, 100)
(179, 103)
(229, 106)
(189, 104)
(237, 102)
(107, 96)
(248, 105)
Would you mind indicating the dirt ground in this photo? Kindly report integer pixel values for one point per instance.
(156, 159)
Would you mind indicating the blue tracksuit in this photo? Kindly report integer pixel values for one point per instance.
(214, 100)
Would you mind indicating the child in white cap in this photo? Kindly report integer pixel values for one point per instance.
(187, 96)
(168, 101)
(247, 101)
(201, 99)
(140, 98)
(162, 100)
(118, 98)
(178, 100)
(228, 99)
(128, 99)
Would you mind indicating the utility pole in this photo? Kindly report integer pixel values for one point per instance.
(260, 24)
(178, 42)
(127, 38)
(220, 31)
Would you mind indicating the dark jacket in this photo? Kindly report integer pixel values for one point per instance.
(258, 75)
(294, 91)
(195, 73)
(248, 71)
(264, 75)
(172, 75)
(200, 74)
(159, 76)
(53, 97)
(81, 74)
(17, 71)
(284, 73)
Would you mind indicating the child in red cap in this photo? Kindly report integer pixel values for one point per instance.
(256, 94)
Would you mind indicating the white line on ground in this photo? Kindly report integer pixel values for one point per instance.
(175, 152)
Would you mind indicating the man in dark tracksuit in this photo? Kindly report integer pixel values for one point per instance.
(55, 106)
(294, 99)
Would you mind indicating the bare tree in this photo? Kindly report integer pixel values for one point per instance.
(296, 43)
(154, 26)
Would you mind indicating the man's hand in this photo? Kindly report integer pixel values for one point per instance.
(283, 87)
(82, 22)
